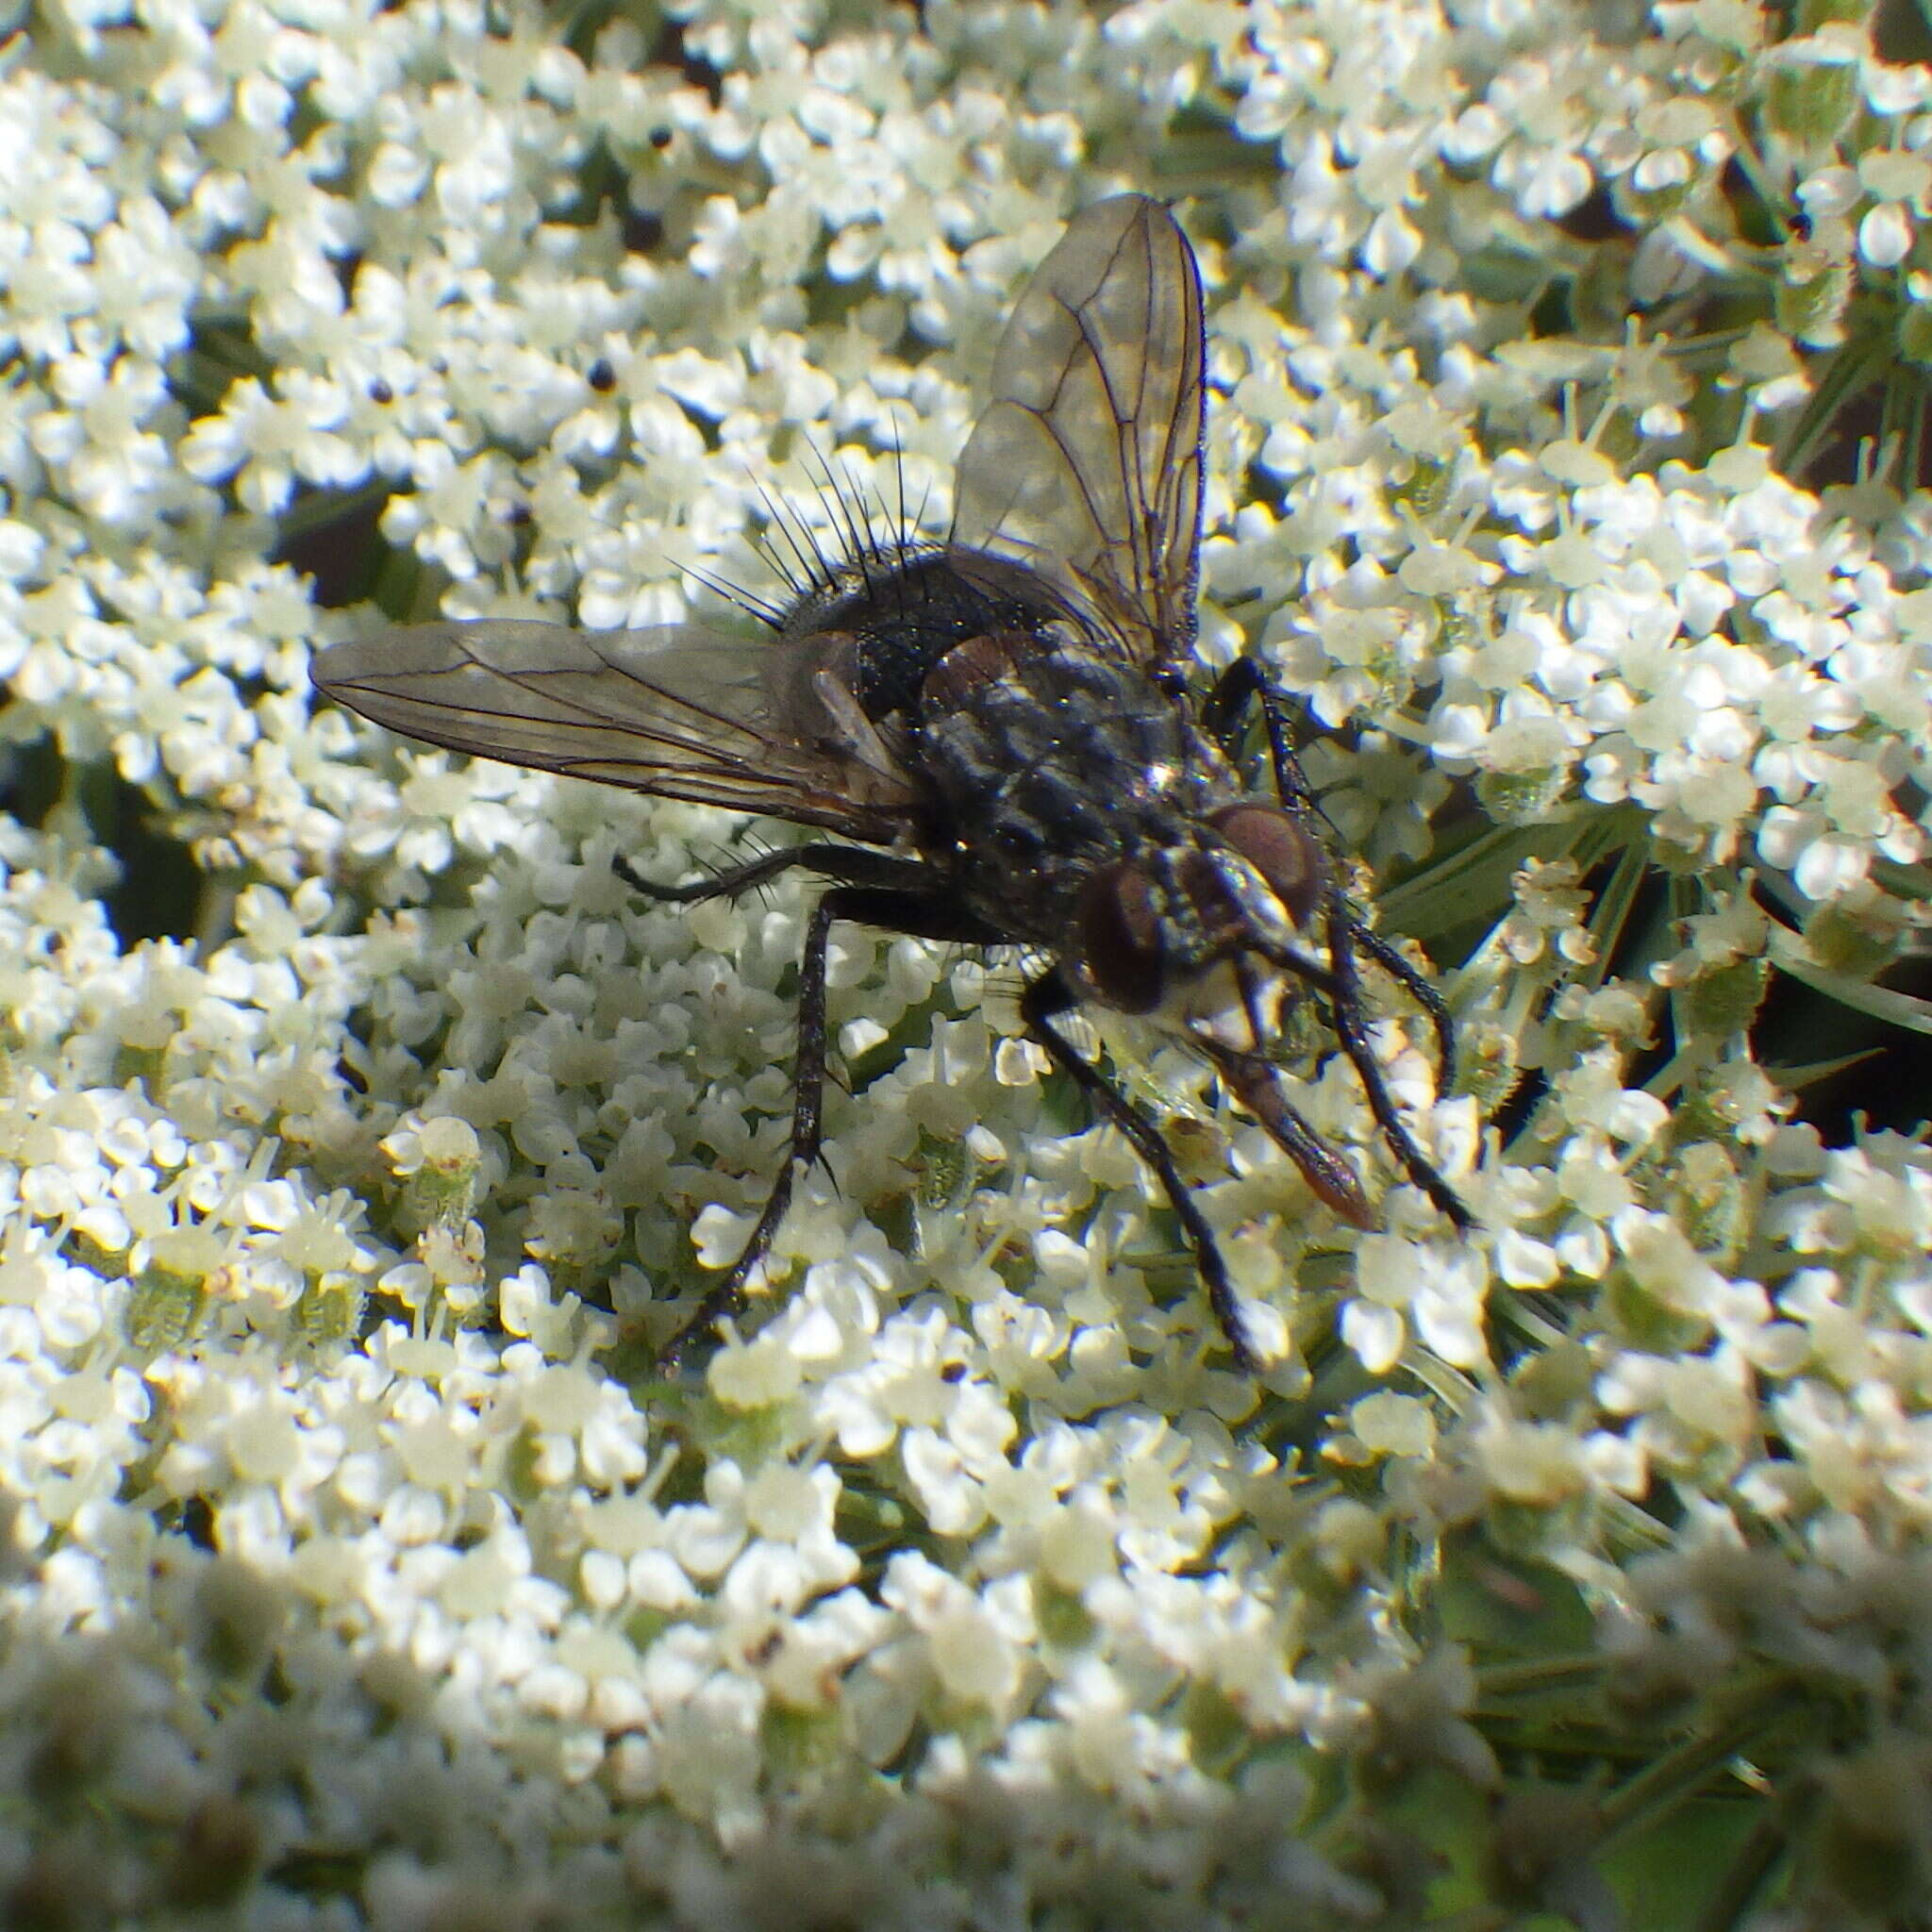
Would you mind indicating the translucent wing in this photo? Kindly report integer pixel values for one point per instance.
(761, 726)
(1087, 465)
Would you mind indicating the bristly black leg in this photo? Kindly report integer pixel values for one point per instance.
(1049, 995)
(1419, 989)
(1222, 718)
(844, 865)
(1345, 1016)
(808, 1099)
(915, 909)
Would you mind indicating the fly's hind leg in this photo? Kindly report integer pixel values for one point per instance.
(1049, 995)
(910, 904)
(846, 865)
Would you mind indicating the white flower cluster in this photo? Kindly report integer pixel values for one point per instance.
(354, 1569)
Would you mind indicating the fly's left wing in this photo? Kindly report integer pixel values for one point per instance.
(767, 726)
(1086, 466)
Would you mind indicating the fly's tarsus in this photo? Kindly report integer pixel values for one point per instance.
(727, 1299)
(1244, 683)
(1420, 990)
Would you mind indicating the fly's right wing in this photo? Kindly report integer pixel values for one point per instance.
(768, 726)
(1086, 466)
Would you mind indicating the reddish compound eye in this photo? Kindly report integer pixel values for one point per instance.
(1119, 938)
(1277, 844)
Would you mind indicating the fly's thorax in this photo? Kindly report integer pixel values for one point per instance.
(906, 607)
(1050, 760)
(1197, 931)
(1051, 746)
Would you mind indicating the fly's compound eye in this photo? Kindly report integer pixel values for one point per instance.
(1119, 938)
(1279, 847)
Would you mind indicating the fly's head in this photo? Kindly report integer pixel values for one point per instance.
(1201, 931)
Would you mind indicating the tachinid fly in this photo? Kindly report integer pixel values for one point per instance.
(1002, 720)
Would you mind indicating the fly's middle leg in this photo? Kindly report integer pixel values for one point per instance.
(807, 1127)
(1418, 989)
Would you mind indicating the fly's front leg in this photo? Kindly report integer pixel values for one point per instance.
(1345, 1016)
(920, 912)
(1419, 989)
(1244, 683)
(1044, 998)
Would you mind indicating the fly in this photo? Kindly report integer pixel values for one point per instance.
(1001, 722)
